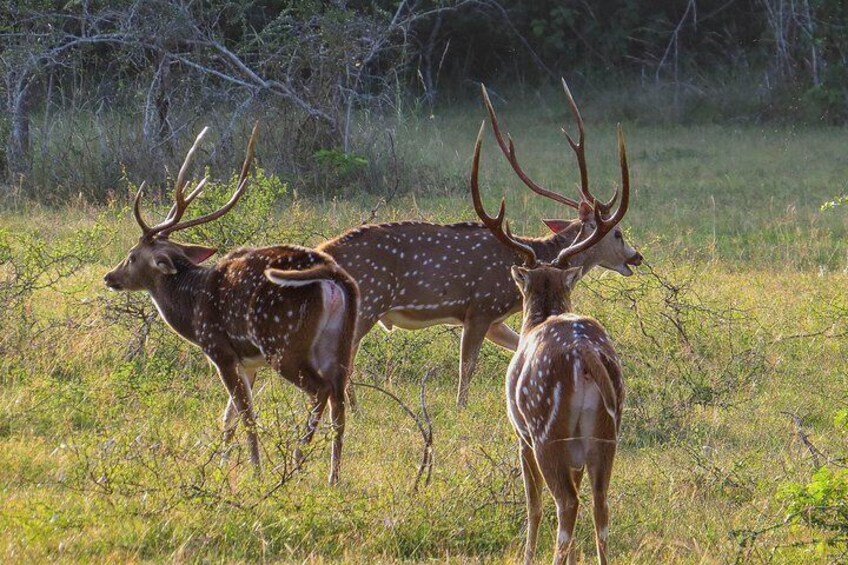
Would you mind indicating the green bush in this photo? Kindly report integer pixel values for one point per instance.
(822, 502)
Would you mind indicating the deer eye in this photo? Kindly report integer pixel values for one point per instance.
(618, 235)
(131, 259)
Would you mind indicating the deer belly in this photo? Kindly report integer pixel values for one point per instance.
(328, 332)
(409, 319)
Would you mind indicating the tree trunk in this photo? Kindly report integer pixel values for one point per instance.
(19, 105)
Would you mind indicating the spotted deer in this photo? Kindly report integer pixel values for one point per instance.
(285, 306)
(417, 274)
(564, 389)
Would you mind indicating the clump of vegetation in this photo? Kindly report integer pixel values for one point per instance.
(819, 505)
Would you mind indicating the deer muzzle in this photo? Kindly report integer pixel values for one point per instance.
(111, 281)
(635, 260)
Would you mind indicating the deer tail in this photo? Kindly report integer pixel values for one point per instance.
(601, 377)
(303, 277)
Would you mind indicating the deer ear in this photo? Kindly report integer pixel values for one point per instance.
(197, 253)
(556, 226)
(571, 276)
(585, 212)
(520, 274)
(164, 264)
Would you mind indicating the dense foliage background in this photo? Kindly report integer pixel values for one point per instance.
(97, 90)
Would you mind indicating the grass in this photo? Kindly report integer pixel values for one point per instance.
(739, 319)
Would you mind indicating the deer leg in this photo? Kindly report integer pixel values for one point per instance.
(503, 335)
(337, 410)
(557, 472)
(576, 478)
(533, 484)
(363, 326)
(566, 517)
(473, 333)
(319, 403)
(230, 413)
(242, 398)
(600, 470)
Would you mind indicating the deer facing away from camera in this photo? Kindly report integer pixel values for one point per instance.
(416, 274)
(284, 306)
(564, 389)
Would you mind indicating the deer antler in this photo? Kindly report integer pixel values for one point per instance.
(171, 223)
(145, 229)
(579, 148)
(509, 152)
(496, 225)
(602, 225)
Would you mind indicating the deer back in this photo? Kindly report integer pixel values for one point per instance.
(426, 270)
(434, 272)
(563, 368)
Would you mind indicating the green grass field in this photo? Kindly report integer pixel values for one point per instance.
(109, 446)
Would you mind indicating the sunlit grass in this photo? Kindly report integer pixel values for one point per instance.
(108, 459)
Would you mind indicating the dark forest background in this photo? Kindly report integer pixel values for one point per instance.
(98, 91)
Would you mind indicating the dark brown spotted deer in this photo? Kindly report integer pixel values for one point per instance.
(417, 274)
(284, 306)
(564, 389)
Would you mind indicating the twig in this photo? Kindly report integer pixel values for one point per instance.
(390, 196)
(805, 439)
(422, 422)
(427, 456)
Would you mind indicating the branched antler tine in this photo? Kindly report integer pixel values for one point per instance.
(145, 229)
(496, 225)
(508, 150)
(179, 198)
(607, 206)
(603, 225)
(181, 177)
(242, 184)
(180, 201)
(601, 229)
(625, 180)
(188, 199)
(579, 146)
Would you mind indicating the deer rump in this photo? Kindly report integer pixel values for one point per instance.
(565, 394)
(311, 314)
(338, 310)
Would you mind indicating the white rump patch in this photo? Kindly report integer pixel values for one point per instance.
(325, 345)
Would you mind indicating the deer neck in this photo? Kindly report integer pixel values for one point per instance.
(175, 297)
(541, 305)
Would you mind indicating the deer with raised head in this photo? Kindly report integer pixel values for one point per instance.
(417, 274)
(285, 306)
(564, 389)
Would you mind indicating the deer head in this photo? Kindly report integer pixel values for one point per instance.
(555, 279)
(611, 251)
(155, 256)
